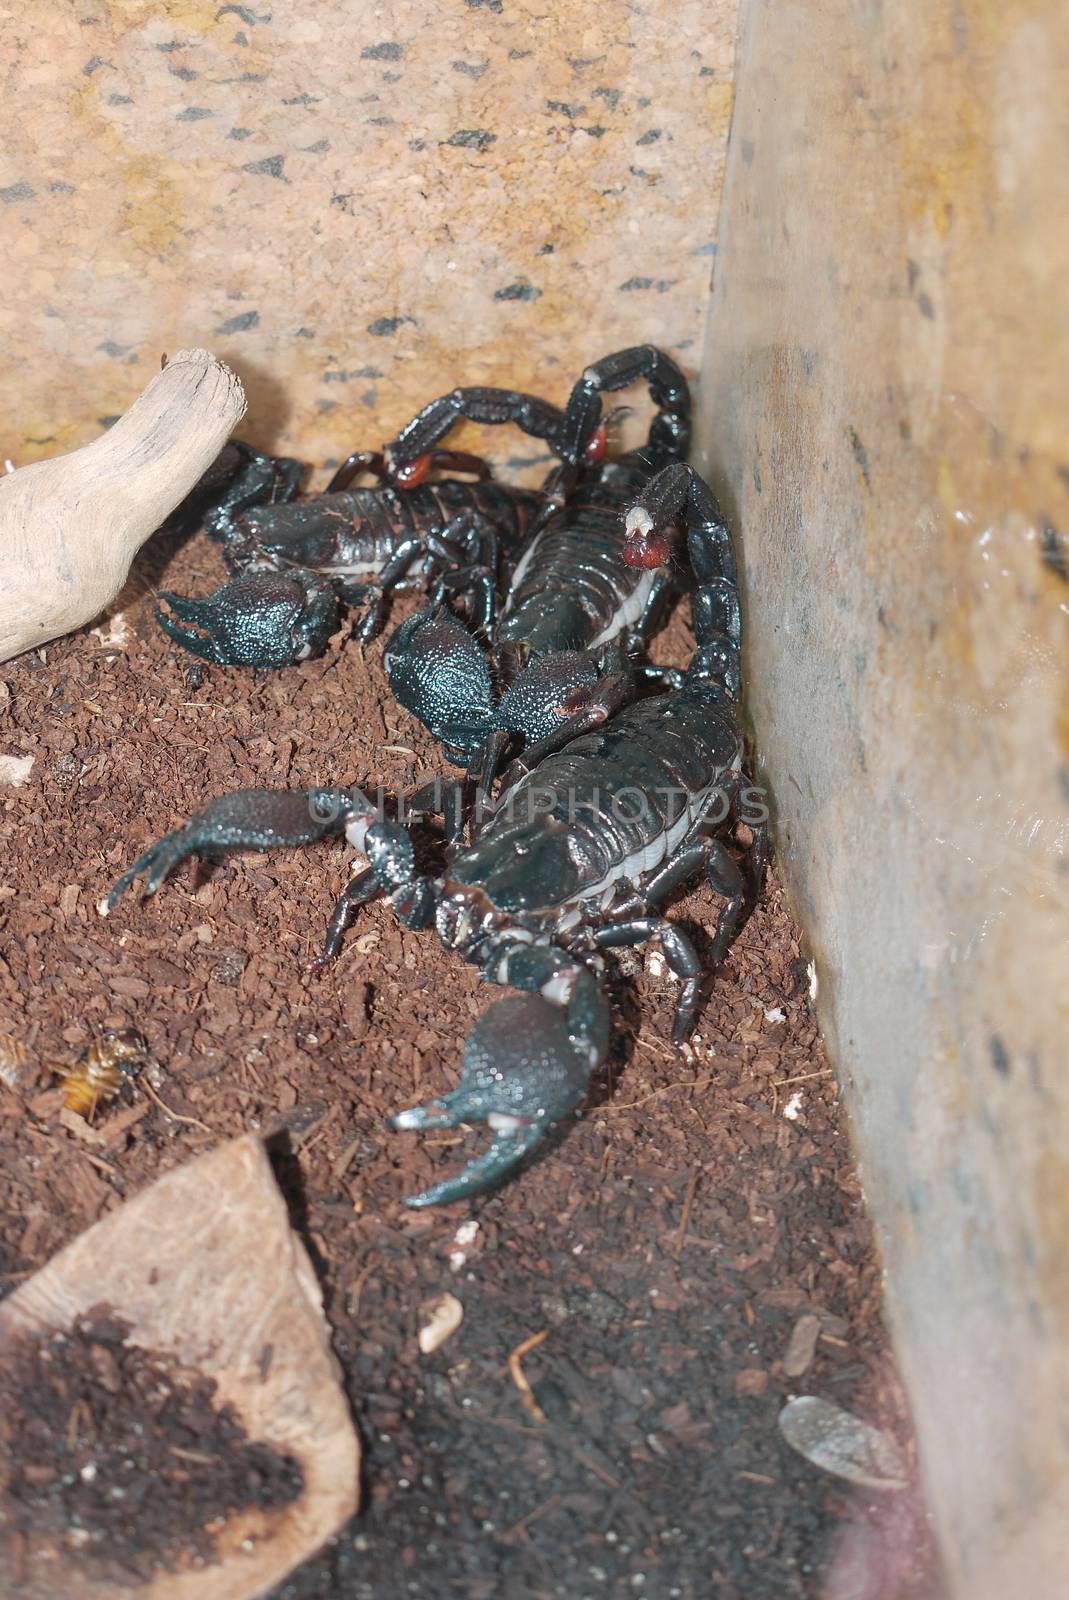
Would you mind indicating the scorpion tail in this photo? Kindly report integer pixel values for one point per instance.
(680, 492)
(669, 434)
(527, 1065)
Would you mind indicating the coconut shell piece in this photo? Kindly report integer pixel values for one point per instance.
(204, 1268)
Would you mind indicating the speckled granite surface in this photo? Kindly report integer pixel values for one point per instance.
(356, 206)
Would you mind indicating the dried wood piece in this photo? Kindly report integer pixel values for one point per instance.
(70, 527)
(801, 1346)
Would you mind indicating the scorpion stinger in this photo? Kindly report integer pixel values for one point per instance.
(678, 491)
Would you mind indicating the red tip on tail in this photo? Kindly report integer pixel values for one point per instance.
(647, 550)
(412, 474)
(598, 447)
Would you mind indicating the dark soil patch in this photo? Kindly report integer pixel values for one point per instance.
(123, 1457)
(668, 1243)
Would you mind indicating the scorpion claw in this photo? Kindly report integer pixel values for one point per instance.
(495, 1163)
(526, 1066)
(156, 862)
(261, 619)
(248, 819)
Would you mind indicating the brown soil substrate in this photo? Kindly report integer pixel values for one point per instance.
(124, 1458)
(669, 1244)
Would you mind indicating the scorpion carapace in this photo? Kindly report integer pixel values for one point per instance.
(294, 560)
(580, 855)
(583, 600)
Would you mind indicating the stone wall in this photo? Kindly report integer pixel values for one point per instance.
(356, 207)
(887, 388)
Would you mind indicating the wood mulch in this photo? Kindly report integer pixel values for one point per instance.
(691, 1252)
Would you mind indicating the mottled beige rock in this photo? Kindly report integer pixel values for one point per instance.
(886, 402)
(204, 1266)
(356, 207)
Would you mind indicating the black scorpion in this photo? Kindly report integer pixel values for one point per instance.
(580, 856)
(577, 615)
(293, 559)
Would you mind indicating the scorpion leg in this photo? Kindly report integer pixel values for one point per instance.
(260, 480)
(679, 953)
(418, 470)
(466, 530)
(355, 466)
(723, 873)
(527, 1065)
(266, 618)
(536, 417)
(758, 857)
(482, 770)
(480, 582)
(252, 819)
(670, 430)
(440, 797)
(360, 889)
(664, 677)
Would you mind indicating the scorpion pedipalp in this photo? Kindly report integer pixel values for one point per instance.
(438, 671)
(527, 1065)
(260, 619)
(251, 819)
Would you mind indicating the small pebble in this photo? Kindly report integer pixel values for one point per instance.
(444, 1316)
(16, 770)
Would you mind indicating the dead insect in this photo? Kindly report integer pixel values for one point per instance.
(110, 1061)
(13, 1061)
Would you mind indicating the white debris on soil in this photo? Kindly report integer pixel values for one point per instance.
(16, 770)
(115, 634)
(444, 1316)
(840, 1443)
(464, 1236)
(13, 1061)
(655, 964)
(775, 1014)
(793, 1106)
(811, 969)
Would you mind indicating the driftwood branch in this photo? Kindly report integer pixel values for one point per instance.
(70, 527)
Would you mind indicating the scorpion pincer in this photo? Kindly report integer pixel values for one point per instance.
(292, 560)
(581, 855)
(576, 617)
